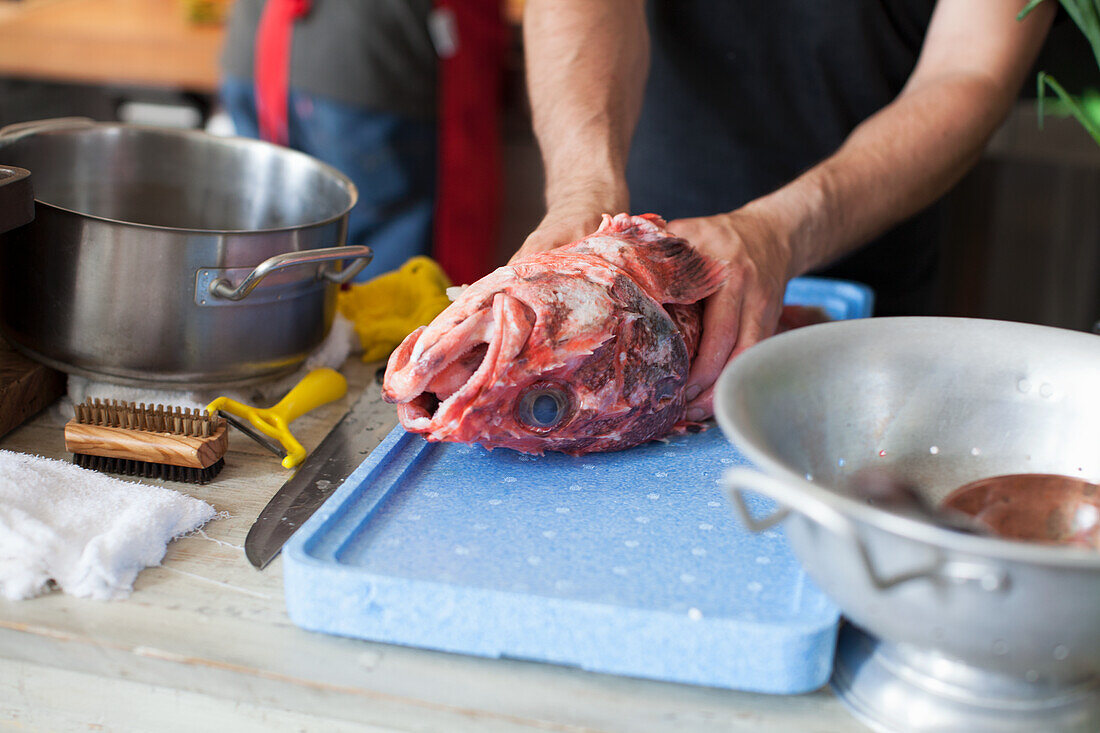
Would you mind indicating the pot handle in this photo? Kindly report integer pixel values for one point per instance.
(22, 129)
(738, 480)
(223, 288)
(16, 197)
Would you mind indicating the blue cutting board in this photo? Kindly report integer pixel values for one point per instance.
(627, 563)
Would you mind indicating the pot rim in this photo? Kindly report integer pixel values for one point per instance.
(851, 509)
(79, 125)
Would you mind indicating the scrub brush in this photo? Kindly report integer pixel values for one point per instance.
(173, 443)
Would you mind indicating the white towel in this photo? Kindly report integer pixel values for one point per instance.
(332, 353)
(89, 533)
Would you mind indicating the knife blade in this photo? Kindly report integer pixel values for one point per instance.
(323, 470)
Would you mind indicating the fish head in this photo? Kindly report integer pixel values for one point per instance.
(565, 354)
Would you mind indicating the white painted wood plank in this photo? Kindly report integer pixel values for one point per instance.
(29, 702)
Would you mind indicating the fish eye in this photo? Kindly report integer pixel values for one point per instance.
(543, 407)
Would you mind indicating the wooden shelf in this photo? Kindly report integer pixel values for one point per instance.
(138, 42)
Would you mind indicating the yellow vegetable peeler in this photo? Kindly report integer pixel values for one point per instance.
(317, 388)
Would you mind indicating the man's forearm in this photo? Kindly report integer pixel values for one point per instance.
(586, 69)
(893, 165)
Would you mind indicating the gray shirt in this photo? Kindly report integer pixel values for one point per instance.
(365, 53)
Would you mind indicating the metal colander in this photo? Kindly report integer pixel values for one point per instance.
(977, 631)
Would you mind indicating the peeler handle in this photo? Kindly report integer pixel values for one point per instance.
(317, 388)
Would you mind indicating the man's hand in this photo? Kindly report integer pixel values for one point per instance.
(571, 217)
(746, 309)
(557, 228)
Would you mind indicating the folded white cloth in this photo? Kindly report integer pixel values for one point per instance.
(89, 533)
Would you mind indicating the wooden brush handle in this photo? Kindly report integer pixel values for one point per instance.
(141, 445)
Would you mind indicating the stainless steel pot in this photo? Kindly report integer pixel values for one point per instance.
(170, 257)
(974, 633)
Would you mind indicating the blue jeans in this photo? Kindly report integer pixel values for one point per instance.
(391, 160)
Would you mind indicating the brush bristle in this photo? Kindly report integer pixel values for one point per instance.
(147, 469)
(152, 418)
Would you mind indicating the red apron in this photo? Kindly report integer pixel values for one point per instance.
(272, 66)
(467, 210)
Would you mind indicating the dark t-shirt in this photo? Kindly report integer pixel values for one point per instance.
(367, 53)
(744, 95)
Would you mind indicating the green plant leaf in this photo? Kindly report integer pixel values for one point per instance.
(1091, 27)
(1090, 103)
(1084, 13)
(1028, 8)
(1079, 113)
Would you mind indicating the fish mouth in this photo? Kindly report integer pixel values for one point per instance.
(440, 371)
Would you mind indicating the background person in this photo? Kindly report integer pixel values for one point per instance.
(361, 96)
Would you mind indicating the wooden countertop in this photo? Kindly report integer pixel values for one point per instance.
(204, 643)
(140, 42)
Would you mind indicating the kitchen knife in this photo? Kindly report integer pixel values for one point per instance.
(340, 453)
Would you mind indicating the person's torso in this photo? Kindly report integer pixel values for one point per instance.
(369, 53)
(753, 92)
(744, 95)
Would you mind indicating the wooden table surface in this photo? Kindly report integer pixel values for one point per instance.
(204, 643)
(133, 42)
